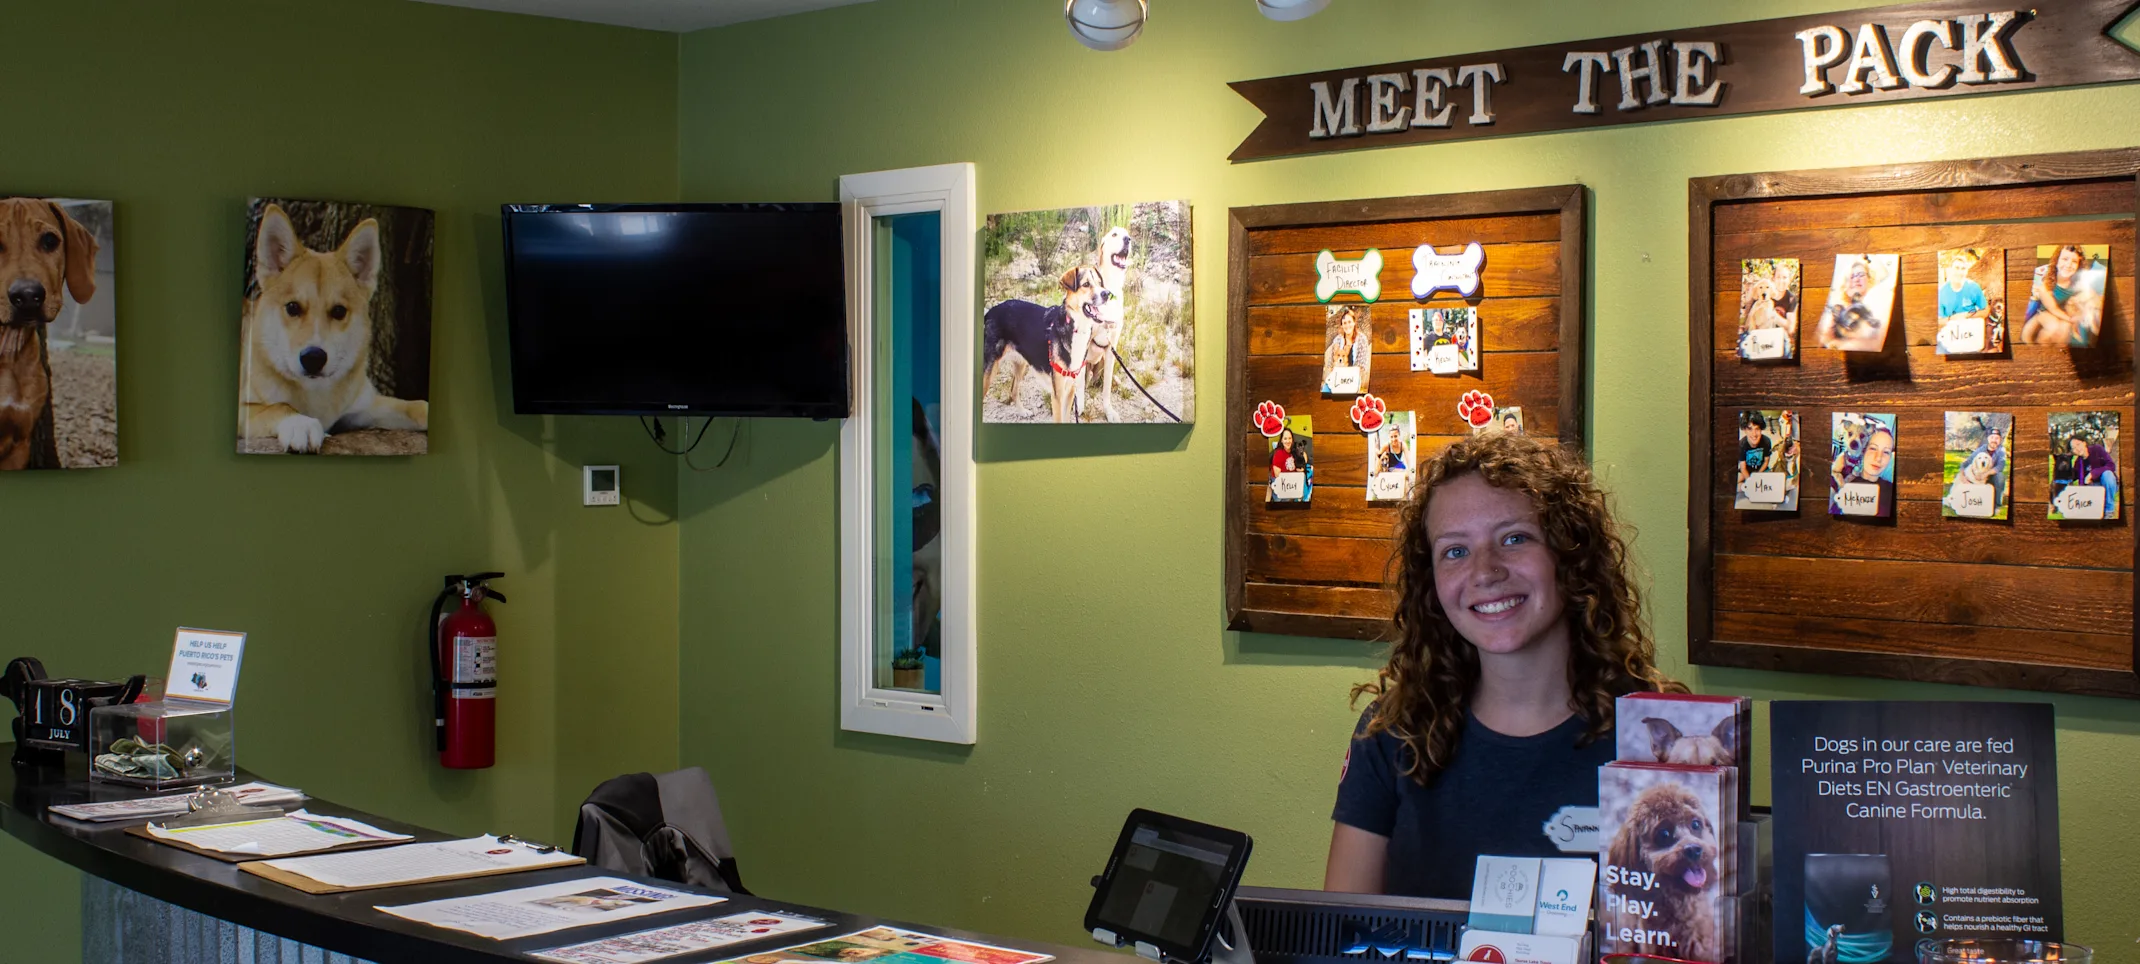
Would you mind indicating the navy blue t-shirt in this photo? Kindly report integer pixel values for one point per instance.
(1495, 797)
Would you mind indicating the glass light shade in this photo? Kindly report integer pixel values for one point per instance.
(1290, 9)
(1105, 24)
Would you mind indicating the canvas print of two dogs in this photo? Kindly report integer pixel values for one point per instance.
(59, 375)
(335, 335)
(1091, 315)
(1669, 810)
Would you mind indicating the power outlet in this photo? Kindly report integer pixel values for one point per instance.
(601, 485)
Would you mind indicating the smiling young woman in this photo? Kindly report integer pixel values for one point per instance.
(1517, 626)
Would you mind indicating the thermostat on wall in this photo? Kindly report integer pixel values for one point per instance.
(600, 485)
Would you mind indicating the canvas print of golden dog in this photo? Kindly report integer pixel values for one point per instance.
(335, 333)
(59, 374)
(1089, 315)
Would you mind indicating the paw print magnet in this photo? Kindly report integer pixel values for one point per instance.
(1367, 412)
(1269, 418)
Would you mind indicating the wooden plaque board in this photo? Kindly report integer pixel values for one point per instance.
(1320, 568)
(2025, 603)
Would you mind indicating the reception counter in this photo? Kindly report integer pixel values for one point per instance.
(142, 897)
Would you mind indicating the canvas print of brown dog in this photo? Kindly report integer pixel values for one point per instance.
(59, 377)
(1089, 315)
(335, 335)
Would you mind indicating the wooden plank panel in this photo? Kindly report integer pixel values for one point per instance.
(1920, 461)
(1919, 317)
(2001, 203)
(1529, 379)
(1354, 602)
(1505, 324)
(1938, 594)
(1511, 270)
(1919, 247)
(1273, 558)
(2035, 375)
(1337, 510)
(1993, 645)
(1402, 236)
(1918, 532)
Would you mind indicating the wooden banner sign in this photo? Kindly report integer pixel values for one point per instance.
(1946, 48)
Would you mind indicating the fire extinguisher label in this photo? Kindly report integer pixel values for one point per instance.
(485, 693)
(475, 659)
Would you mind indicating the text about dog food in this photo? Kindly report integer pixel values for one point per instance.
(1916, 779)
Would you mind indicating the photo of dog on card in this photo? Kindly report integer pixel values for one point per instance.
(1666, 860)
(335, 333)
(1122, 350)
(59, 384)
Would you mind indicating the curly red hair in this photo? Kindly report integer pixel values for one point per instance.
(1422, 694)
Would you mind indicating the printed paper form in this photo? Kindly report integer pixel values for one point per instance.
(549, 907)
(426, 861)
(295, 833)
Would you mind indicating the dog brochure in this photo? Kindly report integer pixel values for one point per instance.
(1685, 729)
(1669, 846)
(678, 939)
(550, 907)
(890, 945)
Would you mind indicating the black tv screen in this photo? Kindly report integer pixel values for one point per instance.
(677, 309)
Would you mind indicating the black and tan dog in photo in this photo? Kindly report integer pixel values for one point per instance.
(1059, 338)
(1669, 844)
(41, 251)
(1114, 288)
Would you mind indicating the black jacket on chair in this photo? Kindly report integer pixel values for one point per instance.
(666, 826)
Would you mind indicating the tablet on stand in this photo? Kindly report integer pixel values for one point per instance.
(1168, 891)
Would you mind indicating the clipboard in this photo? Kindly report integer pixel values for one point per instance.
(297, 881)
(142, 830)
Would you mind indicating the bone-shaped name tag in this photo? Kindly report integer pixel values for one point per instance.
(1457, 272)
(1333, 274)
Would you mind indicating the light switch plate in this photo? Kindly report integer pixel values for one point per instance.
(601, 485)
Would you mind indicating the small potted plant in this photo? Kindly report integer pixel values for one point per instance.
(906, 669)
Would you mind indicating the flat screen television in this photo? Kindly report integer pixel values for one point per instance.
(677, 309)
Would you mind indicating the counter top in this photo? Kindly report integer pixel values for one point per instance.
(347, 922)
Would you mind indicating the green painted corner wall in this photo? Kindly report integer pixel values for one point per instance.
(1107, 680)
(179, 112)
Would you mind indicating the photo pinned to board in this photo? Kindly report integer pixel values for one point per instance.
(1292, 461)
(1768, 461)
(1768, 308)
(1861, 300)
(2066, 295)
(1348, 349)
(1445, 341)
(1508, 418)
(1861, 480)
(1391, 453)
(1972, 302)
(1476, 409)
(2084, 465)
(1978, 483)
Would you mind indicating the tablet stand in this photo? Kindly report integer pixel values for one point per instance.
(1229, 942)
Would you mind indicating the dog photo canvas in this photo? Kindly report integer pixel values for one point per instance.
(1292, 461)
(1668, 844)
(1978, 483)
(1766, 478)
(1861, 300)
(1090, 315)
(2084, 465)
(1768, 308)
(334, 352)
(1861, 475)
(59, 376)
(1348, 348)
(2066, 294)
(1972, 301)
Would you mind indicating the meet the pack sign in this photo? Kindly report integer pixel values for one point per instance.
(1900, 821)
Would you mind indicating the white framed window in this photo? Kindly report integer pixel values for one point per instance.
(906, 456)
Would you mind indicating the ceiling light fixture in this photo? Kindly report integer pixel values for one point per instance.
(1105, 24)
(1290, 9)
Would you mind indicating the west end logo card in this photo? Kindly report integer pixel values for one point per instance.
(1976, 474)
(1768, 308)
(1767, 475)
(2084, 465)
(1861, 479)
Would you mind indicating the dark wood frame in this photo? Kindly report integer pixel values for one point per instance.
(1569, 201)
(1703, 194)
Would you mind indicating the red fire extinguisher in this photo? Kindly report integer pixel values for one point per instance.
(463, 651)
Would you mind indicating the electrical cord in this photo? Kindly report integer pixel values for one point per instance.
(657, 433)
(732, 435)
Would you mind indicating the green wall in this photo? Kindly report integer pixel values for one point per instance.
(179, 112)
(1107, 680)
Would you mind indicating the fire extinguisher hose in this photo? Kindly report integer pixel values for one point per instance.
(438, 679)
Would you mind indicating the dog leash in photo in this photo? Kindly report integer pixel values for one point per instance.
(1132, 376)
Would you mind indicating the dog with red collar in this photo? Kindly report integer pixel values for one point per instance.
(1032, 337)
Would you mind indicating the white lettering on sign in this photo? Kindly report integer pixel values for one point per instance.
(1970, 500)
(2081, 502)
(1962, 336)
(1764, 487)
(1344, 380)
(1389, 486)
(1765, 343)
(1431, 83)
(1858, 498)
(1686, 78)
(1289, 486)
(1984, 41)
(1335, 116)
(1335, 111)
(1334, 275)
(1384, 113)
(1457, 272)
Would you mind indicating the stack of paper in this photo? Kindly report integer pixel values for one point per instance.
(550, 907)
(294, 833)
(409, 864)
(249, 794)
